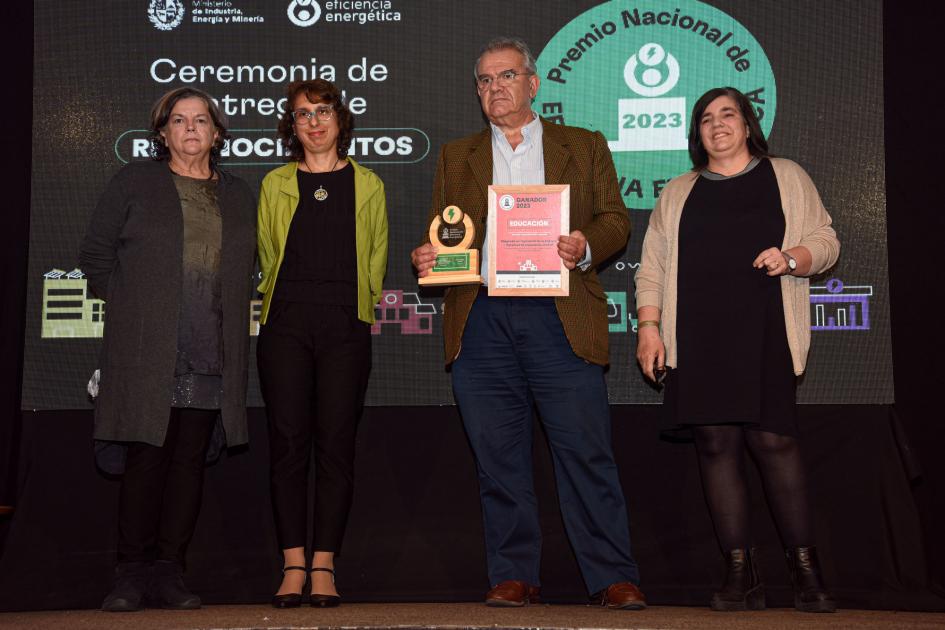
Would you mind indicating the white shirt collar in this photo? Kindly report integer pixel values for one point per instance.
(528, 130)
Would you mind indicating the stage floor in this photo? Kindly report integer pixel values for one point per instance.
(471, 616)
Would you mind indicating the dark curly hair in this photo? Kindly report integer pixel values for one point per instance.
(161, 112)
(757, 145)
(316, 91)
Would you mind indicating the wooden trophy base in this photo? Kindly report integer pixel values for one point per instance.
(454, 268)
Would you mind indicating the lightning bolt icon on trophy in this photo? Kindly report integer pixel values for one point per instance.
(456, 263)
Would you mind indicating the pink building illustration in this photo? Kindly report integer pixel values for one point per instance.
(404, 312)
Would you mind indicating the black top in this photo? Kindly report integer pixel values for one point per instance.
(199, 368)
(320, 262)
(734, 364)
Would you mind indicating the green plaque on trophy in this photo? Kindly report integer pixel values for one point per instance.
(452, 232)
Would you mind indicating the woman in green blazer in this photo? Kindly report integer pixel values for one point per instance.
(323, 253)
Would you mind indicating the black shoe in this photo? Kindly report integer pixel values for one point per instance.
(131, 583)
(318, 600)
(167, 587)
(810, 594)
(742, 589)
(289, 600)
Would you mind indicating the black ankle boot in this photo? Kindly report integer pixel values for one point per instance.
(742, 589)
(131, 583)
(810, 595)
(167, 587)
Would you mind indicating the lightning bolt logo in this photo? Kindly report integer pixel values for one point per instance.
(451, 213)
(651, 52)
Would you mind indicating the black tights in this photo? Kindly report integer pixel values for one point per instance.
(721, 451)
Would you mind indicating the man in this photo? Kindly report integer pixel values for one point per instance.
(508, 354)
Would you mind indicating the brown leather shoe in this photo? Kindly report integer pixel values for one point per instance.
(623, 596)
(512, 593)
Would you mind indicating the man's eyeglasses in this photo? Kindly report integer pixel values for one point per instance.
(503, 79)
(302, 116)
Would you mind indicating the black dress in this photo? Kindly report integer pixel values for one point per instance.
(733, 361)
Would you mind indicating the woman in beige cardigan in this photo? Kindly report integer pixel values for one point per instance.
(722, 300)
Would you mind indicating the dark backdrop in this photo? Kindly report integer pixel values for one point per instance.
(815, 68)
(877, 473)
(16, 21)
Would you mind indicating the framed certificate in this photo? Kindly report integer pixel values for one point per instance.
(524, 225)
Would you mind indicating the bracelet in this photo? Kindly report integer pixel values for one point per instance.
(648, 322)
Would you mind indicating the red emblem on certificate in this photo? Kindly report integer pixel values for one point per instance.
(524, 225)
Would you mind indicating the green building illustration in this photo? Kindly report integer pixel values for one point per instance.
(69, 308)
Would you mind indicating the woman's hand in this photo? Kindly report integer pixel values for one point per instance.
(651, 353)
(772, 261)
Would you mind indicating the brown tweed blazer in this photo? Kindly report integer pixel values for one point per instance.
(572, 156)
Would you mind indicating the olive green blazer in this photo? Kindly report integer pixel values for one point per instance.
(278, 200)
(572, 156)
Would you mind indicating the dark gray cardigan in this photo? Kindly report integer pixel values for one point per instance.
(132, 255)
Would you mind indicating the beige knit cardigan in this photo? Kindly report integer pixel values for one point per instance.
(807, 224)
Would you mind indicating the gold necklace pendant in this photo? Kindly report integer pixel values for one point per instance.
(321, 194)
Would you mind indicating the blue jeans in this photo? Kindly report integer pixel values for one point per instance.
(515, 355)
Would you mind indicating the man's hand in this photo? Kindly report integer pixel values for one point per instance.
(572, 248)
(423, 259)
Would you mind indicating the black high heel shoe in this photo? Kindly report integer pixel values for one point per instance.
(289, 600)
(317, 600)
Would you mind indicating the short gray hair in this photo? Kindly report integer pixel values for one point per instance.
(505, 43)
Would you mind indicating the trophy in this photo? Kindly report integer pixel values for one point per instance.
(452, 232)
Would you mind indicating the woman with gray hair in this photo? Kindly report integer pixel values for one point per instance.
(170, 248)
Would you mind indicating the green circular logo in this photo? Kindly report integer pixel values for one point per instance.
(633, 71)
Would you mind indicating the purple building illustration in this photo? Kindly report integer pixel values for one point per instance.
(838, 307)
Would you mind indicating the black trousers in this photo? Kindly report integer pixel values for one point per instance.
(162, 488)
(314, 363)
